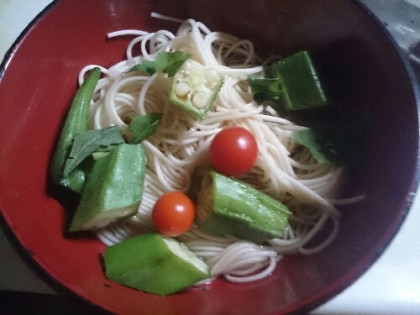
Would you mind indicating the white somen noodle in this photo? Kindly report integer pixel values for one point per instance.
(284, 169)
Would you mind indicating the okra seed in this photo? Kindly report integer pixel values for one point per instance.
(182, 89)
(186, 66)
(196, 80)
(211, 76)
(199, 99)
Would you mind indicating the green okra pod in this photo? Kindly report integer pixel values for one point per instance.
(154, 263)
(76, 122)
(227, 206)
(301, 86)
(113, 188)
(195, 88)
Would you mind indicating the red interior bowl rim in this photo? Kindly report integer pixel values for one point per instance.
(36, 266)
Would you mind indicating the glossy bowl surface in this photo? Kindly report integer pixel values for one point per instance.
(38, 81)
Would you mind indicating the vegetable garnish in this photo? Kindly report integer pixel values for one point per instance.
(113, 189)
(195, 88)
(171, 62)
(167, 62)
(77, 178)
(227, 206)
(337, 136)
(307, 138)
(147, 66)
(143, 126)
(265, 89)
(173, 214)
(233, 151)
(292, 83)
(76, 122)
(88, 142)
(154, 263)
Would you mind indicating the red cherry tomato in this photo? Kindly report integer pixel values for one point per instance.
(233, 151)
(173, 214)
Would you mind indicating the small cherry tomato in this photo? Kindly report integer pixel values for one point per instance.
(173, 214)
(233, 151)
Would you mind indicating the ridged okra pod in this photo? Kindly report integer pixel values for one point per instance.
(154, 263)
(76, 122)
(227, 206)
(113, 188)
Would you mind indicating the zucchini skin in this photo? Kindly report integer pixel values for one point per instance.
(76, 122)
(227, 206)
(147, 262)
(113, 189)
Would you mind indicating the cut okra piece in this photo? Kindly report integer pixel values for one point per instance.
(113, 188)
(154, 263)
(301, 86)
(227, 206)
(195, 88)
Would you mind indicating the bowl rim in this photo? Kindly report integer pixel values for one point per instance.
(312, 302)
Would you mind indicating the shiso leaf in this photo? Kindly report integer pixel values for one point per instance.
(143, 126)
(91, 141)
(168, 62)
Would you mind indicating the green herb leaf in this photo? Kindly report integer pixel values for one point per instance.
(337, 136)
(147, 66)
(143, 126)
(307, 138)
(168, 62)
(265, 89)
(91, 141)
